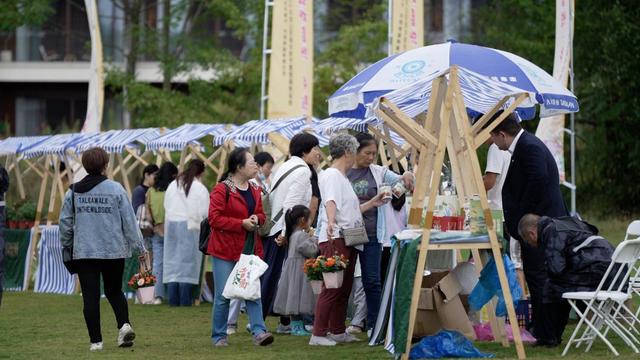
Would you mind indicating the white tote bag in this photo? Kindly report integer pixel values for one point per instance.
(244, 280)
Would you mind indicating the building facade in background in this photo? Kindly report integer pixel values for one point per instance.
(44, 71)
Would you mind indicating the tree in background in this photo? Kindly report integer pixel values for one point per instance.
(606, 39)
(358, 37)
(182, 43)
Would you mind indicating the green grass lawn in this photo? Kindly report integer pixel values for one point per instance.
(37, 326)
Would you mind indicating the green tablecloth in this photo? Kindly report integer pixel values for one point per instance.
(16, 252)
(406, 271)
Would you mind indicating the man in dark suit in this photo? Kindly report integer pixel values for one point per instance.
(532, 186)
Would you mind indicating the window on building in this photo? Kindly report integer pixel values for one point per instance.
(436, 13)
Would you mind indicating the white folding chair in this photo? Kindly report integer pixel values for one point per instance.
(633, 231)
(605, 307)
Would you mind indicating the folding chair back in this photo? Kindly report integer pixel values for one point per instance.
(633, 230)
(625, 257)
(606, 303)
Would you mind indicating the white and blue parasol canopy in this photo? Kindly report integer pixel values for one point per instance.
(401, 70)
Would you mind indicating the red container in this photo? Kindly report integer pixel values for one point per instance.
(445, 223)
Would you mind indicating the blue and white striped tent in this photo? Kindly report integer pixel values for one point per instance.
(115, 141)
(51, 275)
(187, 134)
(480, 94)
(333, 124)
(257, 131)
(13, 145)
(56, 144)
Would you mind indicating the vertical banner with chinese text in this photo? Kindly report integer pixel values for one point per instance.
(551, 129)
(407, 28)
(290, 91)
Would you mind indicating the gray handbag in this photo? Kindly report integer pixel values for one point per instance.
(355, 236)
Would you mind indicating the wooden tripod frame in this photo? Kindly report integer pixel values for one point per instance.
(447, 129)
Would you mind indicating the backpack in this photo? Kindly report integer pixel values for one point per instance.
(265, 229)
(205, 228)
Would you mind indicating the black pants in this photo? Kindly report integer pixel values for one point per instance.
(89, 271)
(554, 319)
(384, 264)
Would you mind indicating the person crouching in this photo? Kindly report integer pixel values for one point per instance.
(576, 259)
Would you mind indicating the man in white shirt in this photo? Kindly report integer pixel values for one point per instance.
(494, 175)
(496, 171)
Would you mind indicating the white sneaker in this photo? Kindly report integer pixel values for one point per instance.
(309, 328)
(157, 301)
(344, 338)
(321, 341)
(126, 335)
(354, 329)
(232, 329)
(96, 346)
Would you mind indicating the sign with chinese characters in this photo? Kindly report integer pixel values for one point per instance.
(290, 91)
(407, 28)
(551, 129)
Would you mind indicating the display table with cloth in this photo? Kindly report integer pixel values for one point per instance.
(393, 318)
(17, 252)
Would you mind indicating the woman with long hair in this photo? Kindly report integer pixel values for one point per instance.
(366, 177)
(235, 212)
(185, 206)
(155, 206)
(292, 184)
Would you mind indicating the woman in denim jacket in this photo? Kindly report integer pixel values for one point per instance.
(100, 226)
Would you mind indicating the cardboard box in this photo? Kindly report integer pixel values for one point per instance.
(440, 307)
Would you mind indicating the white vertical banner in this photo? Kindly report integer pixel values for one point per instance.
(95, 97)
(551, 129)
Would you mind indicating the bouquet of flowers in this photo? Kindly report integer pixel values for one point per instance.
(142, 280)
(329, 269)
(311, 267)
(333, 263)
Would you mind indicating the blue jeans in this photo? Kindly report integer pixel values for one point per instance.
(370, 258)
(221, 271)
(180, 294)
(157, 246)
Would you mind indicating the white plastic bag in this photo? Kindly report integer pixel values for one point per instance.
(244, 280)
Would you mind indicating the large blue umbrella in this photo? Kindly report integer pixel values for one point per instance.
(401, 70)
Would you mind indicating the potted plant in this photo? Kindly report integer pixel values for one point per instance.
(311, 267)
(11, 217)
(27, 215)
(143, 282)
(333, 270)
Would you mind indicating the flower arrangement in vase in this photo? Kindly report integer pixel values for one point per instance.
(143, 283)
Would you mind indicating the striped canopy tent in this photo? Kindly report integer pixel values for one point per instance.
(12, 145)
(188, 134)
(333, 124)
(53, 145)
(116, 141)
(257, 131)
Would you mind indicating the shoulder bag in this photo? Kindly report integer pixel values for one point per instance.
(265, 229)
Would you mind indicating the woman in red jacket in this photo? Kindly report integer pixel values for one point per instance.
(235, 208)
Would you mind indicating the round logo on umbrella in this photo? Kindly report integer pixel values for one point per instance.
(410, 71)
(413, 66)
